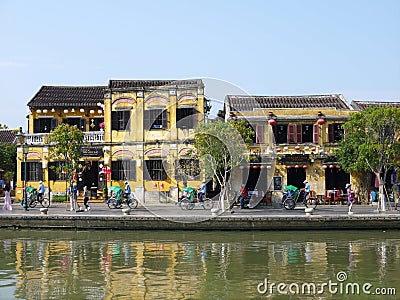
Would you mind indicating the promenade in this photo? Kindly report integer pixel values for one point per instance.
(172, 217)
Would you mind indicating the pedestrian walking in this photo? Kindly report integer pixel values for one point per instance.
(350, 196)
(86, 198)
(7, 199)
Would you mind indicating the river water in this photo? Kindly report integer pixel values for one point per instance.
(199, 265)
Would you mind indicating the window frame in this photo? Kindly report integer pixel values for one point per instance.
(120, 120)
(155, 119)
(34, 171)
(186, 117)
(124, 169)
(155, 173)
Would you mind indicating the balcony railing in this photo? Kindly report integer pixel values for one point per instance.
(41, 138)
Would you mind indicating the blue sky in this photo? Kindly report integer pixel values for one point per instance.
(263, 47)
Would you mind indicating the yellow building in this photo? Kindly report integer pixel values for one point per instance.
(294, 140)
(135, 130)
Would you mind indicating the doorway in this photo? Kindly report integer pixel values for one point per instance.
(296, 177)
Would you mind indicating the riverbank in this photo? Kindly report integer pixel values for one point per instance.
(171, 217)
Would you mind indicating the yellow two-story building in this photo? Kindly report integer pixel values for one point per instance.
(135, 130)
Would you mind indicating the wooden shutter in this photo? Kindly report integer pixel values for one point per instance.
(291, 133)
(82, 124)
(315, 133)
(259, 134)
(299, 133)
(36, 126)
(331, 133)
(164, 119)
(114, 120)
(54, 123)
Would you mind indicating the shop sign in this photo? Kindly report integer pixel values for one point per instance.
(295, 159)
(91, 152)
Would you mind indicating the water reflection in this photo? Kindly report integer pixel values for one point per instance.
(182, 265)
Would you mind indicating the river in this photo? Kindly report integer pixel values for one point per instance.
(59, 264)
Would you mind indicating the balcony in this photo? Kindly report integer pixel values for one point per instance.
(41, 138)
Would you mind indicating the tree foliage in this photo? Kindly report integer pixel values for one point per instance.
(8, 159)
(371, 141)
(220, 148)
(245, 130)
(65, 145)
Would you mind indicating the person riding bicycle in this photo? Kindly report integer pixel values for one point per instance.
(127, 192)
(202, 191)
(40, 192)
(243, 195)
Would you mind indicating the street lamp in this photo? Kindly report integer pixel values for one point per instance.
(25, 150)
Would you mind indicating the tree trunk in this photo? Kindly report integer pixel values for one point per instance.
(382, 197)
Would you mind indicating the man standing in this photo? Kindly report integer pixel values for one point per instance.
(127, 192)
(40, 192)
(202, 191)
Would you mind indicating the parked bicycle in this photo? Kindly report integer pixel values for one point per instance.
(189, 199)
(117, 198)
(33, 199)
(292, 195)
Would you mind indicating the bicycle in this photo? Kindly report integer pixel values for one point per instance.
(33, 199)
(114, 201)
(292, 195)
(190, 198)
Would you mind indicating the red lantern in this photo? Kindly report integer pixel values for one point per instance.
(321, 121)
(313, 148)
(297, 148)
(331, 166)
(305, 167)
(278, 149)
(288, 167)
(162, 186)
(272, 122)
(296, 166)
(155, 186)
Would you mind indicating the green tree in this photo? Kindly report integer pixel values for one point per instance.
(2, 126)
(65, 145)
(371, 143)
(8, 159)
(220, 148)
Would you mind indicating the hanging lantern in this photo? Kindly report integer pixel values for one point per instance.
(278, 149)
(324, 166)
(305, 166)
(313, 148)
(296, 166)
(162, 186)
(297, 148)
(288, 167)
(331, 166)
(155, 186)
(272, 122)
(321, 121)
(337, 167)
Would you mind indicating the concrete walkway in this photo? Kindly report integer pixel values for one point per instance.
(172, 217)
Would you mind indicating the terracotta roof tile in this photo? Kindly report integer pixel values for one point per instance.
(248, 103)
(7, 136)
(56, 96)
(115, 84)
(362, 105)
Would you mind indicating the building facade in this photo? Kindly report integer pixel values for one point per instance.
(135, 130)
(295, 137)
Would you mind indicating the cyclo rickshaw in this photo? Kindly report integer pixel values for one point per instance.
(292, 195)
(190, 197)
(32, 199)
(115, 199)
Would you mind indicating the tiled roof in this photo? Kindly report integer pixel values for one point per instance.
(7, 136)
(56, 96)
(248, 103)
(117, 84)
(362, 105)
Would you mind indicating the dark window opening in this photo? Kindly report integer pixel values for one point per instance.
(155, 170)
(335, 132)
(120, 120)
(307, 133)
(185, 118)
(44, 125)
(94, 124)
(281, 134)
(33, 171)
(53, 173)
(123, 170)
(155, 119)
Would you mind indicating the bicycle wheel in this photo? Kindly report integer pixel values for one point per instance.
(208, 204)
(289, 203)
(132, 202)
(190, 205)
(314, 203)
(184, 204)
(112, 203)
(45, 202)
(32, 204)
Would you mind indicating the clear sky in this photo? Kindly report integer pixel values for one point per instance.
(264, 47)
